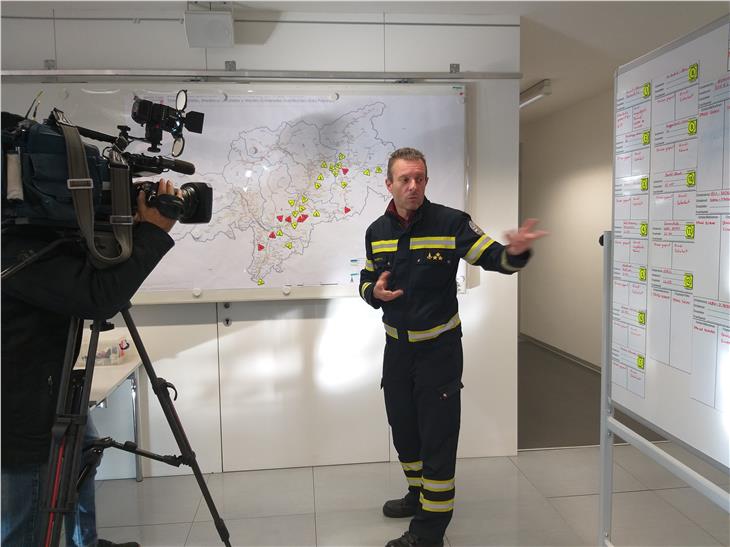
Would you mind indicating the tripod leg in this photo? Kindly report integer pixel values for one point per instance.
(160, 387)
(67, 435)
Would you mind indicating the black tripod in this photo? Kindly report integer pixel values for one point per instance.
(64, 473)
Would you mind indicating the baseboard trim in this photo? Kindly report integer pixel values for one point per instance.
(561, 353)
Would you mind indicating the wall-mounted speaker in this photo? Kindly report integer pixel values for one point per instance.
(209, 28)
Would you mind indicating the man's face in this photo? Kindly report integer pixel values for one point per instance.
(408, 186)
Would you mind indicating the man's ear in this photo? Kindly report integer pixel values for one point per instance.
(389, 185)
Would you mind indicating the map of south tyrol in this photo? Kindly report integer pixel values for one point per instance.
(297, 180)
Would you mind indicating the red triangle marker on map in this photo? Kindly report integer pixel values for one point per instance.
(272, 235)
(261, 247)
(347, 210)
(288, 219)
(345, 170)
(303, 218)
(280, 218)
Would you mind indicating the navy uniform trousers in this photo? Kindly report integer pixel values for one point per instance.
(422, 386)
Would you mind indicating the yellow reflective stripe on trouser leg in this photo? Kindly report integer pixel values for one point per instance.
(436, 506)
(412, 466)
(421, 335)
(438, 486)
(476, 251)
(364, 288)
(391, 331)
(412, 471)
(384, 246)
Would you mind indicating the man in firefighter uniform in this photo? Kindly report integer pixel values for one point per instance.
(412, 255)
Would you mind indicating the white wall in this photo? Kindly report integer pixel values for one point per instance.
(291, 416)
(566, 174)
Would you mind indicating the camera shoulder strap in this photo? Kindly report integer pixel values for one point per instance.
(81, 187)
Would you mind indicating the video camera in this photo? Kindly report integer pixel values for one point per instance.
(50, 178)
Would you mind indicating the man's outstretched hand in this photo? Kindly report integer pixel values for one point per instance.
(381, 292)
(520, 240)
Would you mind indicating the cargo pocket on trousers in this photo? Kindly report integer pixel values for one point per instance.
(449, 390)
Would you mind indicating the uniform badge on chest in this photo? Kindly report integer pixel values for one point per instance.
(434, 256)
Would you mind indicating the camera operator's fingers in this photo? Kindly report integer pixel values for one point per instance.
(165, 187)
(141, 206)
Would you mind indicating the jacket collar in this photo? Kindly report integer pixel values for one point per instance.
(392, 212)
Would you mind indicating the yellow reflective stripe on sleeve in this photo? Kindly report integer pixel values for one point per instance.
(391, 331)
(414, 481)
(369, 266)
(437, 506)
(476, 251)
(433, 242)
(421, 335)
(438, 486)
(384, 246)
(364, 288)
(411, 466)
(506, 265)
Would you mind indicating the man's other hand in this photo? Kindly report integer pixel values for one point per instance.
(521, 240)
(152, 214)
(381, 292)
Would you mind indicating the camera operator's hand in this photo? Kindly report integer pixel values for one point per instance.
(152, 214)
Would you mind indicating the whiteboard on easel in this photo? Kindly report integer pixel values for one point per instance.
(671, 222)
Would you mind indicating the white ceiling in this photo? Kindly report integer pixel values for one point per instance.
(577, 45)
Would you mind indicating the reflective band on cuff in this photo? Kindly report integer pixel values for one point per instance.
(412, 466)
(421, 335)
(506, 265)
(438, 486)
(414, 481)
(433, 242)
(391, 331)
(364, 288)
(385, 246)
(369, 266)
(476, 251)
(437, 506)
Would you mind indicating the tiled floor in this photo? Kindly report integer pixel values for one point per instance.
(540, 498)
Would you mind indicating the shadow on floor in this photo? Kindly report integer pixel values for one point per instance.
(559, 401)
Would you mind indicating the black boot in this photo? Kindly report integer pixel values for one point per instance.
(107, 543)
(403, 507)
(409, 539)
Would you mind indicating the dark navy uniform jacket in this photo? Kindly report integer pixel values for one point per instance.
(423, 259)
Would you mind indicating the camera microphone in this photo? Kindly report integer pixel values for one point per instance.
(179, 166)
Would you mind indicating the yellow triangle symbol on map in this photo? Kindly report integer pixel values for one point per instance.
(301, 208)
(317, 185)
(294, 225)
(316, 213)
(288, 245)
(292, 202)
(260, 281)
(343, 184)
(320, 177)
(378, 169)
(324, 164)
(366, 172)
(305, 199)
(341, 156)
(295, 212)
(332, 166)
(279, 233)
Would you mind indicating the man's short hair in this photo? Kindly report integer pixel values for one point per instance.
(405, 153)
